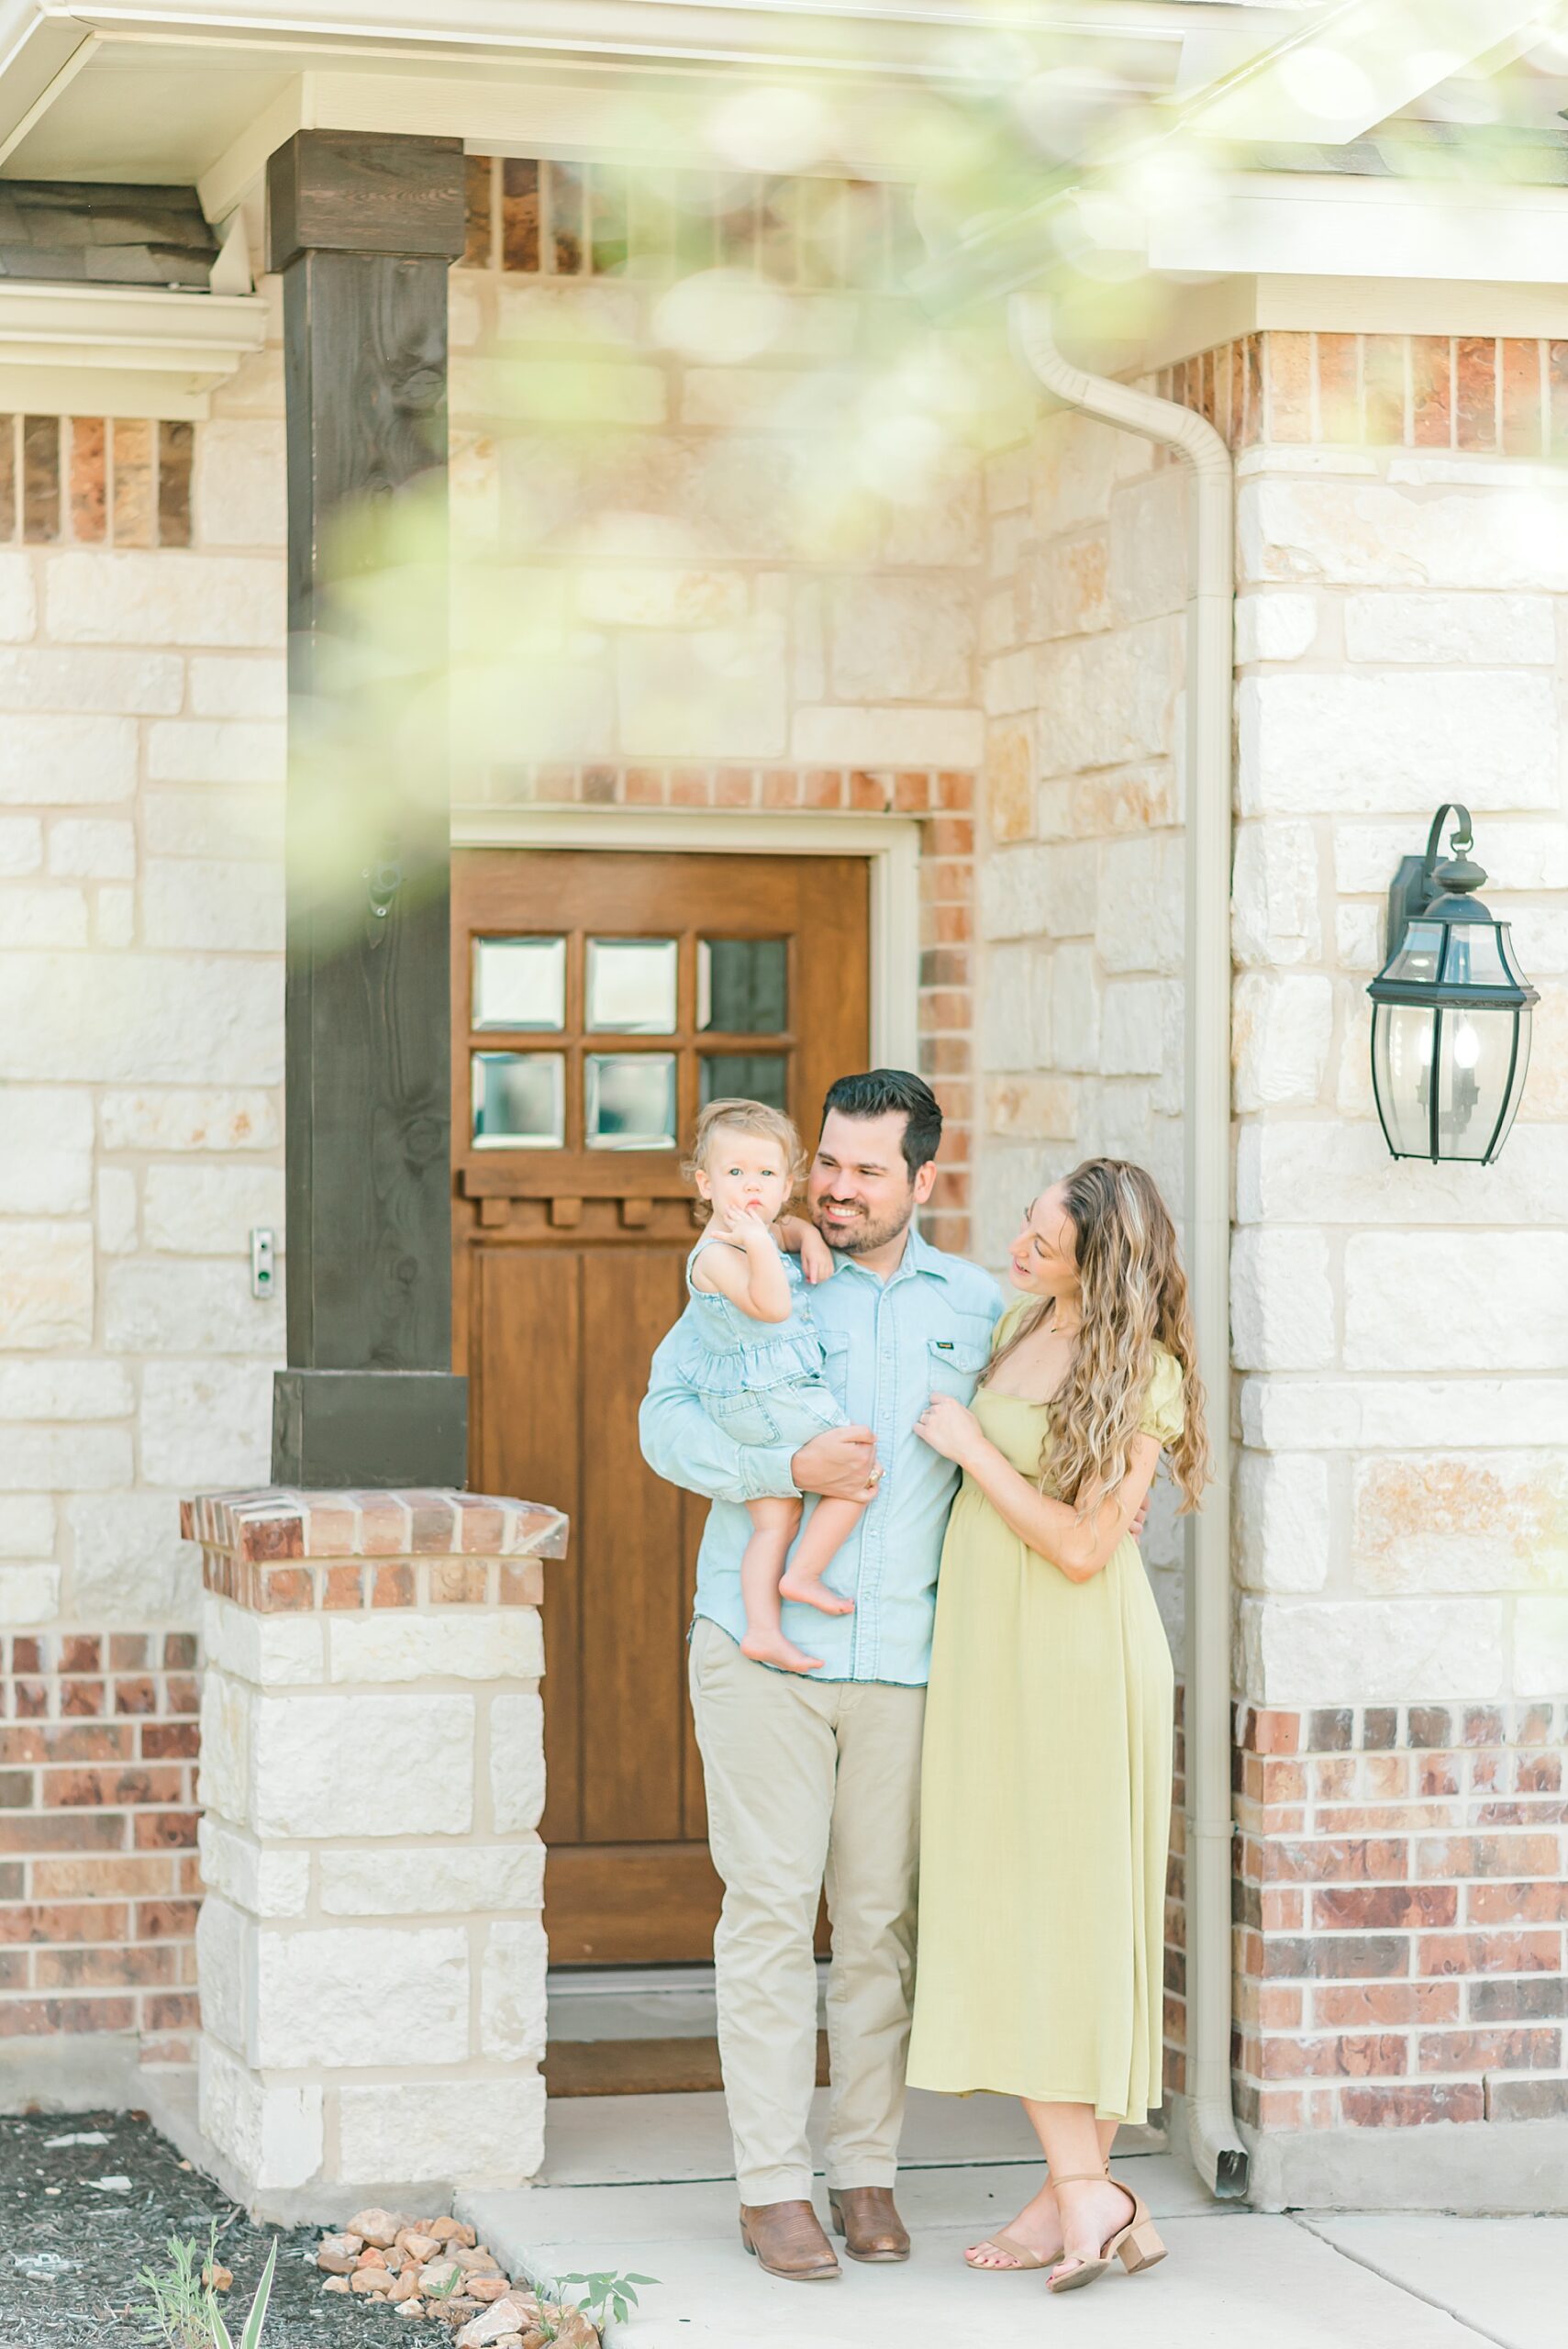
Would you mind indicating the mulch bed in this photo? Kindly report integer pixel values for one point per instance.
(50, 2210)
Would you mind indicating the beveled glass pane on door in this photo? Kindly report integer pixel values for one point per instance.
(519, 983)
(630, 1101)
(746, 1077)
(519, 1100)
(631, 985)
(743, 986)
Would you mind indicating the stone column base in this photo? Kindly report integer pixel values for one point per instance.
(371, 1950)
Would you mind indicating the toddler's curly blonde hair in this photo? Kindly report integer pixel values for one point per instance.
(743, 1117)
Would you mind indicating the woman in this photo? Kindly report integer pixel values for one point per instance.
(1047, 1772)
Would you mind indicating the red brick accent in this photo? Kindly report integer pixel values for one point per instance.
(98, 1884)
(269, 1551)
(84, 482)
(1475, 393)
(1396, 1923)
(528, 217)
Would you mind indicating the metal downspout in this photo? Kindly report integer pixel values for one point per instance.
(1212, 2142)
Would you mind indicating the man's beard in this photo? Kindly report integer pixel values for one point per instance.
(860, 1237)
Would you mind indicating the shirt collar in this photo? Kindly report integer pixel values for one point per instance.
(918, 1257)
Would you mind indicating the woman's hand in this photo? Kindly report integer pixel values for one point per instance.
(950, 1429)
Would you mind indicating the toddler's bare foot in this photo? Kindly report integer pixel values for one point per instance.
(811, 1591)
(772, 1647)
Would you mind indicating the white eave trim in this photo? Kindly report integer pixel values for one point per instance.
(121, 350)
(930, 36)
(1288, 223)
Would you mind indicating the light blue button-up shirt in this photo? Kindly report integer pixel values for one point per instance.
(890, 1345)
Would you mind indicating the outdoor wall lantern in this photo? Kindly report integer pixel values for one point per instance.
(1451, 1010)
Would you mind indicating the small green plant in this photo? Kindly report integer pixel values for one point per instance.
(606, 2295)
(180, 2303)
(219, 2336)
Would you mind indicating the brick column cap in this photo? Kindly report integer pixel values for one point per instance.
(277, 1523)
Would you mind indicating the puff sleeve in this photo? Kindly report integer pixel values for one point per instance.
(1164, 1416)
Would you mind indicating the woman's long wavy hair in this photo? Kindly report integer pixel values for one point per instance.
(1134, 1299)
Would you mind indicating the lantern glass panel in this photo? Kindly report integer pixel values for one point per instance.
(1474, 1051)
(1402, 1070)
(1419, 958)
(1516, 1090)
(1510, 960)
(1472, 959)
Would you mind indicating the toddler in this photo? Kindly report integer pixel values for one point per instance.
(761, 1378)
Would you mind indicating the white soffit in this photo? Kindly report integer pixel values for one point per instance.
(120, 349)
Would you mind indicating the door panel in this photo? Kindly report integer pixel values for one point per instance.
(598, 998)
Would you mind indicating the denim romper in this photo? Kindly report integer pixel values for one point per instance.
(760, 1382)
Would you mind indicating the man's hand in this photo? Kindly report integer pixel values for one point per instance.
(841, 1462)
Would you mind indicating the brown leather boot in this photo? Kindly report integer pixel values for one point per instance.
(788, 2238)
(871, 2226)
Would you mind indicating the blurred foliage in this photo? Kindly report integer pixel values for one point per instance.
(858, 324)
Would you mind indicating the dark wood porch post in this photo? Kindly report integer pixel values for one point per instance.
(363, 228)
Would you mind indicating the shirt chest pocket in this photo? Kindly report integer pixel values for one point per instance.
(956, 1365)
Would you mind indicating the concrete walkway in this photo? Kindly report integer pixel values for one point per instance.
(641, 2182)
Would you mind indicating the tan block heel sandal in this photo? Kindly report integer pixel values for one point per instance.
(1136, 2243)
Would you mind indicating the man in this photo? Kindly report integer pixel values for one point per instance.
(814, 1778)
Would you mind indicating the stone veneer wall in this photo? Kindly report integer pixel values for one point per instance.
(1401, 1330)
(141, 744)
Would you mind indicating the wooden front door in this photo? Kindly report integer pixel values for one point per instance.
(599, 999)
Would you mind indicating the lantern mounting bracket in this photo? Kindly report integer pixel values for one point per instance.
(1420, 878)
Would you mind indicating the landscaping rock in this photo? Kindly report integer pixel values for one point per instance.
(378, 2227)
(506, 2315)
(419, 2244)
(335, 2284)
(440, 2276)
(487, 2287)
(339, 2252)
(370, 2259)
(573, 2329)
(451, 2230)
(412, 2307)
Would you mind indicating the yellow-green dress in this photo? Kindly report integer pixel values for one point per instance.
(1045, 1805)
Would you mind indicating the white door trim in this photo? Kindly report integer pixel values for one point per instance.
(890, 843)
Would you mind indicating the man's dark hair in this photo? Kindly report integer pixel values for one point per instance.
(879, 1090)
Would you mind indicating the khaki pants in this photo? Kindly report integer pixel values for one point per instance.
(809, 1782)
